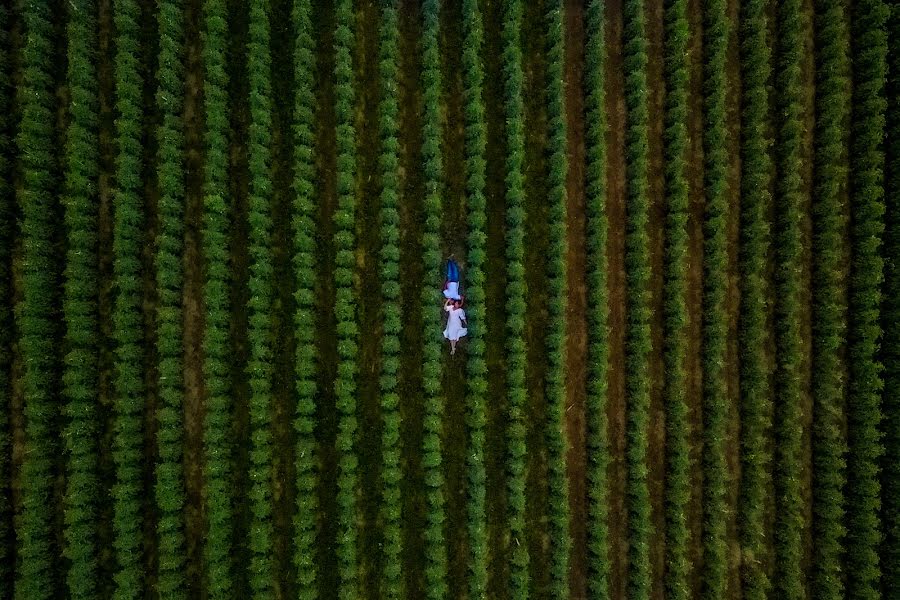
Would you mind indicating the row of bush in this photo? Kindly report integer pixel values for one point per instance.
(598, 455)
(80, 303)
(675, 320)
(753, 317)
(217, 212)
(637, 299)
(303, 225)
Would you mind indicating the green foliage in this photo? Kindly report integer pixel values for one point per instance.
(260, 284)
(391, 473)
(715, 289)
(869, 49)
(890, 319)
(828, 302)
(7, 336)
(128, 240)
(170, 494)
(219, 543)
(80, 381)
(515, 295)
(756, 406)
(432, 166)
(304, 228)
(675, 139)
(476, 372)
(35, 312)
(637, 300)
(788, 286)
(345, 304)
(597, 303)
(558, 527)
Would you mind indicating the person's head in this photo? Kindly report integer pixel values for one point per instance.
(456, 304)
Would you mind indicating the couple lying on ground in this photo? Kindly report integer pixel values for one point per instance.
(456, 316)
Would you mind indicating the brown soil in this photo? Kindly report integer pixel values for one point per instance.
(495, 286)
(150, 47)
(368, 235)
(615, 207)
(238, 295)
(454, 235)
(576, 317)
(656, 438)
(694, 382)
(411, 276)
(194, 391)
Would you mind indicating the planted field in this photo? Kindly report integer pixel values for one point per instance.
(223, 233)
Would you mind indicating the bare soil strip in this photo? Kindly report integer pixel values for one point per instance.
(411, 274)
(656, 448)
(239, 296)
(149, 59)
(534, 52)
(192, 297)
(106, 469)
(694, 382)
(615, 206)
(368, 236)
(326, 340)
(284, 491)
(454, 233)
(576, 325)
(495, 295)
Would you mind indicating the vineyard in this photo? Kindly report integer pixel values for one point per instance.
(223, 232)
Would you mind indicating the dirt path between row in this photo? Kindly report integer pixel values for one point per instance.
(615, 207)
(454, 232)
(576, 316)
(192, 297)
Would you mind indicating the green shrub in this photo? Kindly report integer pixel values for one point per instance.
(598, 456)
(753, 334)
(558, 500)
(128, 240)
(515, 295)
(35, 312)
(345, 303)
(715, 289)
(828, 301)
(260, 284)
(869, 47)
(7, 335)
(675, 319)
(219, 543)
(890, 319)
(637, 299)
(304, 230)
(476, 140)
(80, 380)
(170, 494)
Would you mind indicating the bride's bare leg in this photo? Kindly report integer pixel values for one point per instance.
(452, 347)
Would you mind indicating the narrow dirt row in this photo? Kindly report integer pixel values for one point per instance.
(192, 297)
(239, 261)
(694, 391)
(326, 340)
(150, 48)
(576, 318)
(656, 436)
(454, 234)
(368, 245)
(283, 306)
(495, 293)
(537, 230)
(411, 274)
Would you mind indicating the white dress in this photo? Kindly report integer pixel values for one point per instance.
(455, 329)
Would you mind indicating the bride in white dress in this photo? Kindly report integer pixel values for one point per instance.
(456, 322)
